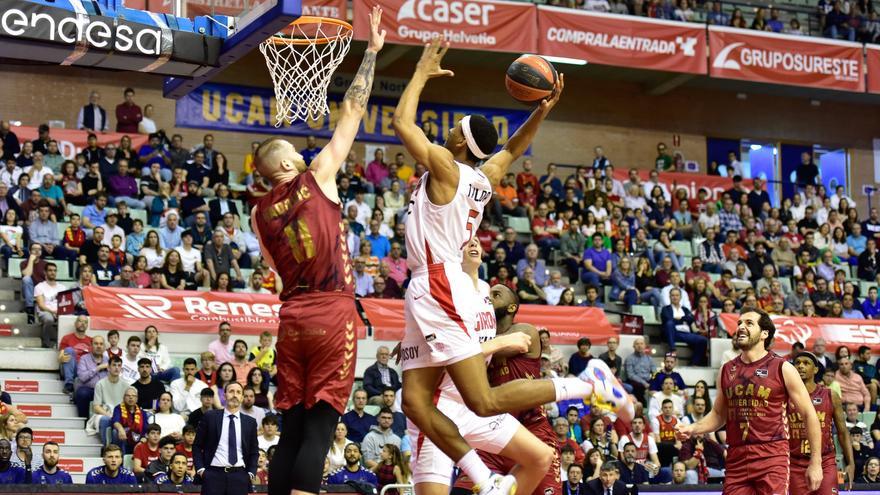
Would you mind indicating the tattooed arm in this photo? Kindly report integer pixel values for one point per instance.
(351, 111)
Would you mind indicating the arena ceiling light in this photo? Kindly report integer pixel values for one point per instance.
(564, 60)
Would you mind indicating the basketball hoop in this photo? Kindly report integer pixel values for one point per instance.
(301, 61)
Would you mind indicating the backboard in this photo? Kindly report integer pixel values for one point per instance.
(247, 24)
(108, 34)
(188, 40)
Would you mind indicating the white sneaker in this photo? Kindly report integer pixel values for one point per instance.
(497, 485)
(608, 392)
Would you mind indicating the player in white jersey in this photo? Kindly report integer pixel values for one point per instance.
(498, 434)
(445, 210)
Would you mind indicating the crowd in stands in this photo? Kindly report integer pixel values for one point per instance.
(167, 216)
(835, 19)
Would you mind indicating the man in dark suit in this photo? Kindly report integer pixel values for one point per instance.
(380, 376)
(608, 482)
(677, 322)
(221, 205)
(225, 452)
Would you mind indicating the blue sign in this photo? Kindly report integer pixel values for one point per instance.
(226, 107)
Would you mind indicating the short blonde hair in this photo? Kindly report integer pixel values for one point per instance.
(267, 153)
(207, 355)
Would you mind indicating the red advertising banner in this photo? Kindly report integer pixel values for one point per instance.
(784, 59)
(623, 41)
(566, 324)
(72, 141)
(692, 183)
(473, 24)
(183, 311)
(835, 331)
(48, 436)
(386, 318)
(35, 411)
(872, 62)
(72, 466)
(21, 386)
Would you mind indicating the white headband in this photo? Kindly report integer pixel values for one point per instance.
(469, 138)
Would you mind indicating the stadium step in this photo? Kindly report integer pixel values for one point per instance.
(65, 437)
(29, 359)
(11, 305)
(57, 423)
(7, 293)
(53, 386)
(77, 451)
(39, 398)
(25, 330)
(19, 342)
(27, 375)
(15, 319)
(45, 411)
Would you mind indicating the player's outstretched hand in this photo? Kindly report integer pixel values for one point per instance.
(683, 432)
(550, 102)
(429, 64)
(814, 476)
(377, 37)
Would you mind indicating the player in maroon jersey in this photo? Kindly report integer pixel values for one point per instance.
(828, 407)
(503, 369)
(754, 392)
(302, 237)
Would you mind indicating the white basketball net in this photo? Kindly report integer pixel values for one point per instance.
(301, 61)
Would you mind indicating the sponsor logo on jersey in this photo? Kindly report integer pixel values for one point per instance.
(761, 373)
(411, 352)
(817, 401)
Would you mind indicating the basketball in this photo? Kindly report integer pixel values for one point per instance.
(530, 79)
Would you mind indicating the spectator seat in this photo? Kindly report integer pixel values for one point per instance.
(647, 312)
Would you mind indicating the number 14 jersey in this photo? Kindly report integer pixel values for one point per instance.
(437, 234)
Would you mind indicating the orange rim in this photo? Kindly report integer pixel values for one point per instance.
(306, 19)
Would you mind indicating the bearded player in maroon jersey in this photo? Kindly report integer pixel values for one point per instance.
(828, 408)
(302, 237)
(503, 369)
(755, 390)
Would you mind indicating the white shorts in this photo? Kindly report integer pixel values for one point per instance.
(440, 309)
(492, 435)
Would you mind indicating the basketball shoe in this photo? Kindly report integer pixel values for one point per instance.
(608, 392)
(497, 484)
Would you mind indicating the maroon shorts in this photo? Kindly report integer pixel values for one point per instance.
(798, 478)
(316, 351)
(757, 469)
(550, 485)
